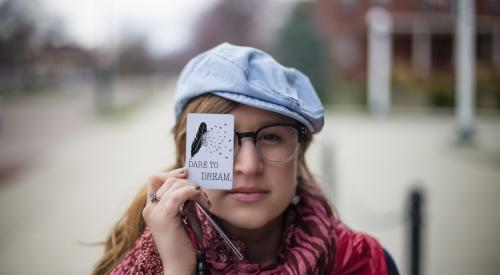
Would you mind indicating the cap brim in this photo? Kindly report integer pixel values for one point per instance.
(257, 103)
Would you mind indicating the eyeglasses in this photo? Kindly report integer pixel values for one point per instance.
(276, 143)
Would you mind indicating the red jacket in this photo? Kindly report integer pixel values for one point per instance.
(357, 253)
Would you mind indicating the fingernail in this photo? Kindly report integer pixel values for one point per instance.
(181, 170)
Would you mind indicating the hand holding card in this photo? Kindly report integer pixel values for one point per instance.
(209, 158)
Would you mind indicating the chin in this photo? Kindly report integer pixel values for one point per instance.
(249, 223)
(250, 218)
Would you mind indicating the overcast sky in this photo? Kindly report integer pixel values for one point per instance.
(165, 23)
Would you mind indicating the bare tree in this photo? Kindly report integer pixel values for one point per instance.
(234, 21)
(17, 30)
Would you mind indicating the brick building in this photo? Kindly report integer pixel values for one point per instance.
(422, 36)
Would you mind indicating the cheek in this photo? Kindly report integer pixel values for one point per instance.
(284, 177)
(282, 181)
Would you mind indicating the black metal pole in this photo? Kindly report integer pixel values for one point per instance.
(416, 200)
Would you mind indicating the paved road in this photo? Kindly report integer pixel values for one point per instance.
(74, 192)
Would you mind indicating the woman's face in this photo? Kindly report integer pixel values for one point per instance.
(261, 190)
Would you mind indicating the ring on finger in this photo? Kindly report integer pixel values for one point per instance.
(153, 198)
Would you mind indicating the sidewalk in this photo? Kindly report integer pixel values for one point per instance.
(31, 124)
(76, 191)
(377, 162)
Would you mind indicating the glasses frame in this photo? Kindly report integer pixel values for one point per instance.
(301, 134)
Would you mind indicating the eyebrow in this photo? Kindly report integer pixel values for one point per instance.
(265, 123)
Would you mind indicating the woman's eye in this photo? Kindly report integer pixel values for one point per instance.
(270, 137)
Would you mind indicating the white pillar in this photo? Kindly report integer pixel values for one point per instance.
(465, 69)
(379, 22)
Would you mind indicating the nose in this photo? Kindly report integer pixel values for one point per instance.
(247, 161)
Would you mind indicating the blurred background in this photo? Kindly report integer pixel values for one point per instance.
(410, 152)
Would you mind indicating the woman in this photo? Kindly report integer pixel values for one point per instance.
(275, 216)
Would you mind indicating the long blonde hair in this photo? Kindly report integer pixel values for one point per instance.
(131, 224)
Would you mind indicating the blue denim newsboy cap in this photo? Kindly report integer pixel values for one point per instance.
(252, 77)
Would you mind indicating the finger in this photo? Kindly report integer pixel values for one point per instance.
(158, 179)
(153, 185)
(172, 184)
(150, 189)
(177, 173)
(201, 198)
(171, 202)
(156, 182)
(169, 182)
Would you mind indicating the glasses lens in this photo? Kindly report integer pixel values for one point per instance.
(278, 143)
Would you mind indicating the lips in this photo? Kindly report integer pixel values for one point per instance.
(245, 194)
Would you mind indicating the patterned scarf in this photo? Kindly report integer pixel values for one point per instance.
(308, 245)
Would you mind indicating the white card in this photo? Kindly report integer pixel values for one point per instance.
(209, 150)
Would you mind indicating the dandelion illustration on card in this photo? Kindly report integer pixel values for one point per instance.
(209, 150)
